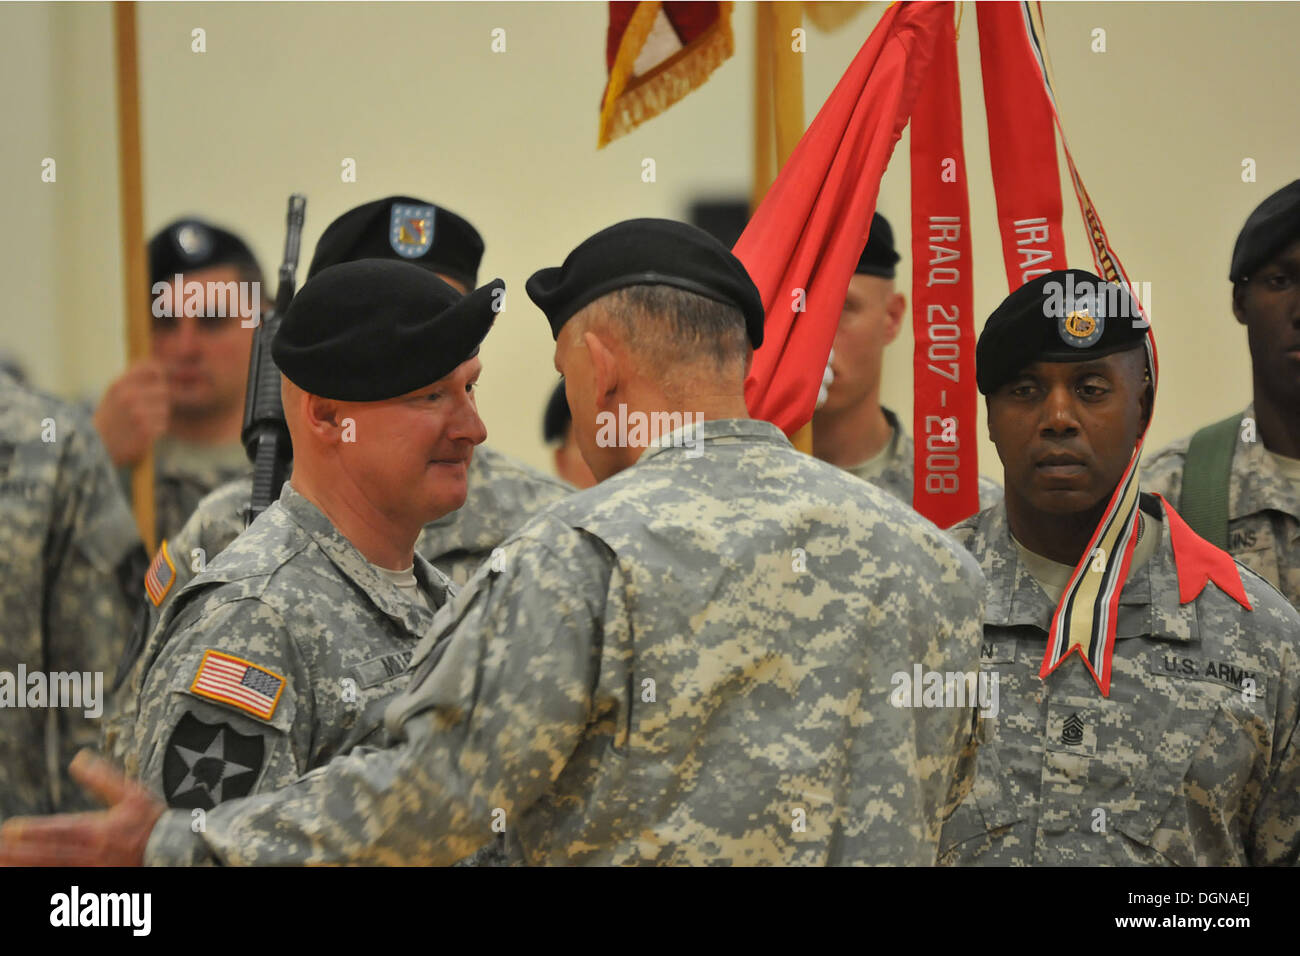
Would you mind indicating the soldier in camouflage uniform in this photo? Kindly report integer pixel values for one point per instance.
(503, 491)
(284, 651)
(851, 428)
(187, 398)
(71, 555)
(1263, 489)
(690, 662)
(1193, 758)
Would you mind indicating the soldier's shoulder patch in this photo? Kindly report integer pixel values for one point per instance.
(205, 764)
(238, 683)
(160, 577)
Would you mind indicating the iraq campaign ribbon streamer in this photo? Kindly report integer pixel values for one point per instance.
(1022, 148)
(1087, 613)
(945, 487)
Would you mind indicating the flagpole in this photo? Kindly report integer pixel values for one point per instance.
(134, 273)
(786, 66)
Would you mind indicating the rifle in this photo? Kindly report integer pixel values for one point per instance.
(265, 434)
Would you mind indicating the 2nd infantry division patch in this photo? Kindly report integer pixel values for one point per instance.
(206, 764)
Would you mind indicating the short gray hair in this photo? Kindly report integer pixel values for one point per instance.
(671, 326)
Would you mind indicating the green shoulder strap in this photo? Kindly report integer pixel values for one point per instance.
(1206, 472)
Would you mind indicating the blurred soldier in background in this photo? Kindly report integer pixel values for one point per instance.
(557, 431)
(1238, 481)
(187, 398)
(851, 429)
(72, 560)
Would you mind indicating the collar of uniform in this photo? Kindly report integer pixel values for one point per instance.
(1257, 484)
(354, 566)
(900, 436)
(1148, 605)
(719, 430)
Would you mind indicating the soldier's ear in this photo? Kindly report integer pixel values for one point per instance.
(323, 417)
(604, 368)
(895, 309)
(1238, 301)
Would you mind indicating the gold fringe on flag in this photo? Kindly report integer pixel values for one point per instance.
(631, 100)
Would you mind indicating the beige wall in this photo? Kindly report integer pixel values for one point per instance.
(1159, 124)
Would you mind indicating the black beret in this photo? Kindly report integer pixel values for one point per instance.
(1065, 316)
(406, 229)
(1273, 224)
(188, 245)
(373, 329)
(557, 418)
(879, 257)
(646, 252)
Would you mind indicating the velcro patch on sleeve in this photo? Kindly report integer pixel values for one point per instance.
(238, 683)
(160, 577)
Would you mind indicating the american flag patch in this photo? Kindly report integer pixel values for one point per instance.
(160, 577)
(238, 683)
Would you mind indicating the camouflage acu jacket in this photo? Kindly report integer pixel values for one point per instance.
(283, 653)
(691, 662)
(71, 559)
(1193, 759)
(1263, 509)
(503, 495)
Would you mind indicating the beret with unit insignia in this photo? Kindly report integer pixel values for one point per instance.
(1274, 223)
(374, 329)
(405, 228)
(188, 245)
(1065, 316)
(646, 252)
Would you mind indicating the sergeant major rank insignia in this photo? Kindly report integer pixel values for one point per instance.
(410, 230)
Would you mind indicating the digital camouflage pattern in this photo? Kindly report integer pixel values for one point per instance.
(688, 663)
(185, 473)
(896, 477)
(1177, 766)
(503, 493)
(1263, 509)
(295, 598)
(72, 556)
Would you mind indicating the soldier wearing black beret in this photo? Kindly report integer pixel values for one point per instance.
(850, 428)
(1238, 480)
(751, 582)
(187, 398)
(406, 228)
(1172, 756)
(286, 649)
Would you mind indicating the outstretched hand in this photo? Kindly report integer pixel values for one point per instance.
(113, 837)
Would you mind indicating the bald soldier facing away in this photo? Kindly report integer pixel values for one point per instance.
(691, 662)
(285, 650)
(1193, 756)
